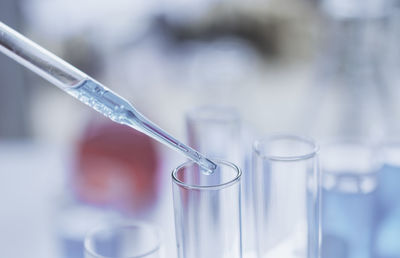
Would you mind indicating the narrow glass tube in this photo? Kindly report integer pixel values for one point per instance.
(287, 196)
(216, 131)
(38, 59)
(124, 240)
(207, 211)
(87, 90)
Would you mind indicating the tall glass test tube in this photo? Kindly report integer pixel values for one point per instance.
(287, 195)
(216, 131)
(207, 211)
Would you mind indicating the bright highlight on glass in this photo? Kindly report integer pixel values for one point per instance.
(287, 196)
(207, 211)
(132, 240)
(88, 90)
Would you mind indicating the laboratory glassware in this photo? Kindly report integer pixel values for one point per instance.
(350, 95)
(89, 91)
(350, 170)
(207, 211)
(386, 238)
(216, 131)
(287, 197)
(124, 240)
(73, 220)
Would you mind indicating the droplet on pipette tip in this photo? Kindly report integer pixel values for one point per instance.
(208, 166)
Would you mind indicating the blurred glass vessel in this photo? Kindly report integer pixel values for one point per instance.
(117, 168)
(216, 131)
(349, 199)
(350, 95)
(207, 209)
(386, 244)
(287, 197)
(124, 240)
(73, 220)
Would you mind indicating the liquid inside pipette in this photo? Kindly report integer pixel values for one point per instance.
(87, 90)
(121, 111)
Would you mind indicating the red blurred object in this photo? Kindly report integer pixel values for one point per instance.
(116, 166)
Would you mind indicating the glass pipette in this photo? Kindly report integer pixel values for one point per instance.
(89, 91)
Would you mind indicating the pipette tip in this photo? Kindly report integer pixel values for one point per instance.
(208, 165)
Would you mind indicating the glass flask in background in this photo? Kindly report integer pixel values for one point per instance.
(287, 197)
(390, 69)
(350, 208)
(207, 211)
(217, 131)
(349, 96)
(386, 244)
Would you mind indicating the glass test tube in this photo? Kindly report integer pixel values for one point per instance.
(207, 211)
(349, 199)
(125, 240)
(217, 132)
(287, 196)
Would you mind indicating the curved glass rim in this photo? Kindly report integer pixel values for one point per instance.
(207, 187)
(93, 231)
(315, 148)
(198, 114)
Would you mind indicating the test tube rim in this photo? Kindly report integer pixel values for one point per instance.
(286, 158)
(137, 224)
(208, 187)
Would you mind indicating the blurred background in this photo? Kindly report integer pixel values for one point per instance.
(327, 69)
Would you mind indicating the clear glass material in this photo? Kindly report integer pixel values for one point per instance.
(72, 222)
(349, 199)
(216, 131)
(87, 90)
(386, 241)
(124, 240)
(287, 197)
(350, 94)
(207, 211)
